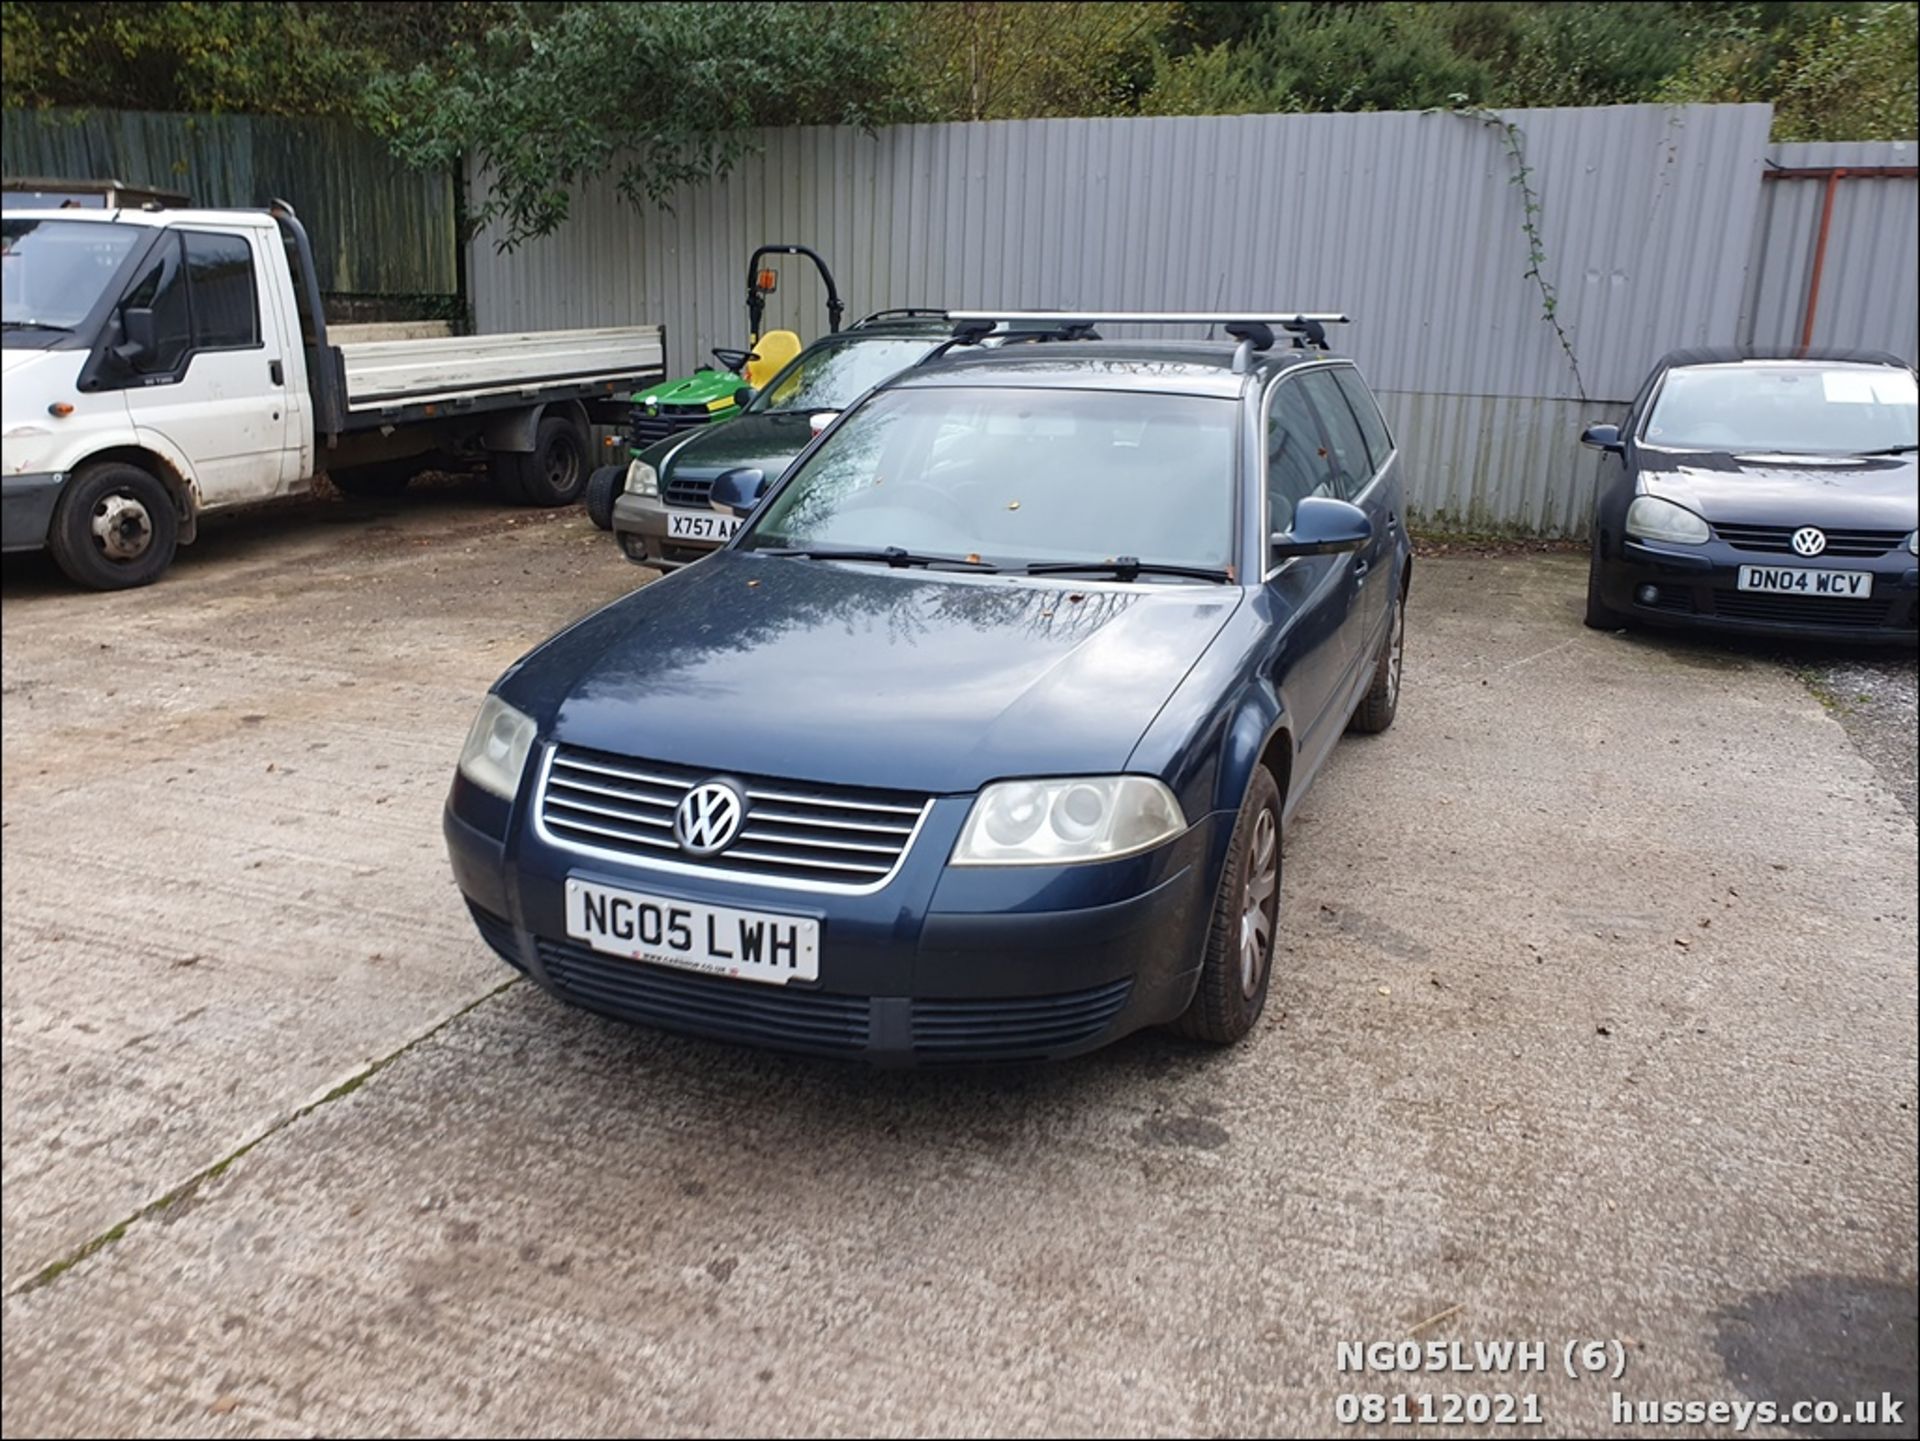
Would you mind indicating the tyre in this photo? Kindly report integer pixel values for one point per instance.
(1600, 616)
(554, 472)
(114, 527)
(1382, 700)
(603, 488)
(1246, 918)
(380, 481)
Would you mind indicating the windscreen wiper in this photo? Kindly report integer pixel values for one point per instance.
(1890, 450)
(1127, 567)
(35, 325)
(891, 555)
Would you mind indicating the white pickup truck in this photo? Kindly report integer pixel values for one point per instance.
(160, 364)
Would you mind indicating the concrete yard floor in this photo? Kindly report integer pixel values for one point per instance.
(1595, 1020)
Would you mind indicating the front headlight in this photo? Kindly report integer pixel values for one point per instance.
(496, 748)
(1062, 822)
(1913, 543)
(642, 479)
(1651, 518)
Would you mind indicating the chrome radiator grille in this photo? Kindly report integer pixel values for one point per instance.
(794, 832)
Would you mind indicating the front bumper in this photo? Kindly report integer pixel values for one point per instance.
(939, 966)
(1697, 587)
(26, 509)
(640, 525)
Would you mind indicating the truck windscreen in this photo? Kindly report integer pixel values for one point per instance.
(53, 273)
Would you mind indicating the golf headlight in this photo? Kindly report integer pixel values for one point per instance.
(1913, 543)
(1060, 822)
(643, 479)
(497, 746)
(1651, 518)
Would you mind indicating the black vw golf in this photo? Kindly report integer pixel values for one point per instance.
(1762, 491)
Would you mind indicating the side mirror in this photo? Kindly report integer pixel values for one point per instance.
(139, 340)
(1604, 437)
(736, 492)
(1322, 526)
(743, 397)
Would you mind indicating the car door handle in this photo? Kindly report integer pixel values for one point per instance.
(1393, 522)
(276, 373)
(1360, 570)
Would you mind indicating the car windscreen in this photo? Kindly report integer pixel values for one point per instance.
(833, 376)
(1784, 409)
(53, 272)
(1019, 476)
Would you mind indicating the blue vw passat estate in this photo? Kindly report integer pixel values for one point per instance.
(978, 741)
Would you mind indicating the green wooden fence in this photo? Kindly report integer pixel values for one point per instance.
(379, 229)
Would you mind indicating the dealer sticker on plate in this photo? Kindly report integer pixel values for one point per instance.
(701, 525)
(1796, 580)
(715, 940)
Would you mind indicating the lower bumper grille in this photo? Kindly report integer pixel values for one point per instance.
(1873, 614)
(703, 1005)
(1026, 1026)
(823, 1023)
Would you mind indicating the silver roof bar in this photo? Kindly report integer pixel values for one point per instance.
(1155, 317)
(1254, 330)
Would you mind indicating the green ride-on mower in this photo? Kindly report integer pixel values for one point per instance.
(710, 394)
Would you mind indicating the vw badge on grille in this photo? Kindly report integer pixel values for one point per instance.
(1809, 541)
(709, 817)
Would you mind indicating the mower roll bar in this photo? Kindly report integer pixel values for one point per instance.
(757, 299)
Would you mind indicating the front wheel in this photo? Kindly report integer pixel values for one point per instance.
(1600, 615)
(114, 528)
(1246, 916)
(603, 489)
(1382, 702)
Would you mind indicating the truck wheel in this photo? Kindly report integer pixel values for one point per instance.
(114, 527)
(1246, 920)
(380, 481)
(554, 472)
(603, 488)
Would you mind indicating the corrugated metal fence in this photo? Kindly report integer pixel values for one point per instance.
(1870, 283)
(1412, 222)
(378, 228)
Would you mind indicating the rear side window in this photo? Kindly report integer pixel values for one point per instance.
(220, 271)
(1296, 456)
(1366, 410)
(1352, 466)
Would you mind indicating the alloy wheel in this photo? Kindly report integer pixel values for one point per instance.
(1259, 901)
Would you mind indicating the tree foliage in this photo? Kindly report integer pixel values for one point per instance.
(215, 55)
(656, 95)
(550, 93)
(1008, 59)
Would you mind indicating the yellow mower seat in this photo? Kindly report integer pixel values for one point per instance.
(771, 352)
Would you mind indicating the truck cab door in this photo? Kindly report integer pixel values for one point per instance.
(214, 380)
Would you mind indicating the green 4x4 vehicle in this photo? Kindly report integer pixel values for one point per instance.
(662, 516)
